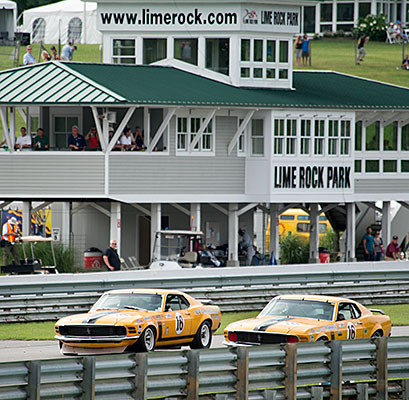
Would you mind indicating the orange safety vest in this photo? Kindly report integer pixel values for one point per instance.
(10, 229)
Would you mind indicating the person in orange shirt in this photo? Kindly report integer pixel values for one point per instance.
(9, 235)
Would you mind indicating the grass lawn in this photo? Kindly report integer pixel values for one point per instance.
(382, 61)
(45, 330)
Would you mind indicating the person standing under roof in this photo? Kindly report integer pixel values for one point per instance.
(8, 239)
(369, 245)
(247, 244)
(111, 257)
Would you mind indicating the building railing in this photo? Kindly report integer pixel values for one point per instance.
(358, 368)
(49, 297)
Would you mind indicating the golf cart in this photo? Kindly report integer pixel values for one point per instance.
(32, 265)
(176, 249)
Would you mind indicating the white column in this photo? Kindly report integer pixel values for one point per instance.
(66, 224)
(317, 18)
(275, 231)
(373, 7)
(403, 12)
(195, 219)
(156, 217)
(350, 242)
(26, 218)
(12, 122)
(314, 238)
(115, 224)
(356, 11)
(386, 223)
(233, 256)
(334, 16)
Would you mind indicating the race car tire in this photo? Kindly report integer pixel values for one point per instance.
(322, 339)
(147, 341)
(376, 334)
(203, 337)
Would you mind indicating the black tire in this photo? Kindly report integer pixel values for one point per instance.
(147, 341)
(322, 339)
(203, 337)
(376, 334)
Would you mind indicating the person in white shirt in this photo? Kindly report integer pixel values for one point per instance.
(127, 141)
(23, 142)
(28, 58)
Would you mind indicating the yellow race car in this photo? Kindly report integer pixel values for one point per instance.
(306, 318)
(139, 320)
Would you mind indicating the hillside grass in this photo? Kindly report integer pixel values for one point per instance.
(45, 330)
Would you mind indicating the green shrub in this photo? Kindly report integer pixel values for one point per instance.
(64, 256)
(328, 240)
(372, 26)
(294, 249)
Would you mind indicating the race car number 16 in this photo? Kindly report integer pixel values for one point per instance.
(351, 331)
(179, 323)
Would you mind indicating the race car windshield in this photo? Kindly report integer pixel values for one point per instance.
(299, 308)
(129, 301)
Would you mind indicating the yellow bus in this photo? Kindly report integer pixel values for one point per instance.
(297, 222)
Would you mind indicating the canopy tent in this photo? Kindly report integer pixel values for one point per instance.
(68, 20)
(8, 18)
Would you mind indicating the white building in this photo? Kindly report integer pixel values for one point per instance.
(229, 128)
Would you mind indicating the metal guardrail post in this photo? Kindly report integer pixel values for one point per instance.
(362, 391)
(336, 370)
(192, 384)
(405, 389)
(317, 393)
(141, 376)
(381, 368)
(88, 379)
(242, 373)
(290, 371)
(34, 379)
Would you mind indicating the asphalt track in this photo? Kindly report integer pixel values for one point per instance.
(20, 350)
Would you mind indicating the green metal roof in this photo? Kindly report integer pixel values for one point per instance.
(84, 83)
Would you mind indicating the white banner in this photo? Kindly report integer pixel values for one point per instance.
(158, 17)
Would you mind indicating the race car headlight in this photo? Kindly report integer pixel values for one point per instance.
(232, 336)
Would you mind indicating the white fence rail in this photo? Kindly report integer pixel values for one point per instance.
(48, 297)
(360, 369)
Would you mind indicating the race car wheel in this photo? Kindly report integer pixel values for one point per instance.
(146, 342)
(322, 339)
(203, 337)
(377, 334)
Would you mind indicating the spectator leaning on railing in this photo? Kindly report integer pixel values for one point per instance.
(40, 142)
(76, 141)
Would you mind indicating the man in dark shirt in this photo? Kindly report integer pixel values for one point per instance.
(76, 141)
(392, 251)
(111, 257)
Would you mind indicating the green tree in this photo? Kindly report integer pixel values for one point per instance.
(23, 5)
(372, 26)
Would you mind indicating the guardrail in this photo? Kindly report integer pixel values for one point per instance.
(316, 371)
(49, 297)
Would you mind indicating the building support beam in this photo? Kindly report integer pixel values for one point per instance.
(386, 222)
(233, 256)
(41, 206)
(195, 217)
(180, 208)
(239, 131)
(103, 136)
(115, 224)
(314, 238)
(100, 209)
(120, 128)
(373, 206)
(26, 220)
(246, 208)
(201, 130)
(161, 129)
(5, 204)
(275, 231)
(350, 242)
(6, 131)
(66, 223)
(143, 210)
(156, 218)
(219, 208)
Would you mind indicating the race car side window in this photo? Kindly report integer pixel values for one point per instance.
(348, 311)
(356, 311)
(172, 303)
(184, 304)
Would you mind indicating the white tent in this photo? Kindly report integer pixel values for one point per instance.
(8, 18)
(68, 20)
